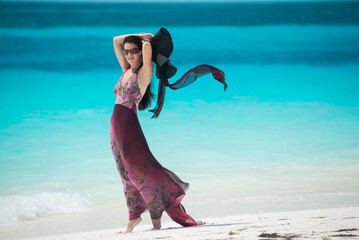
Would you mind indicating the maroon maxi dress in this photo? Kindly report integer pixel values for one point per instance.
(148, 186)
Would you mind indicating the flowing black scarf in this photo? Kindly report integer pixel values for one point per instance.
(189, 77)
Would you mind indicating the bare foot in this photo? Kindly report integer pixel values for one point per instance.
(132, 223)
(153, 229)
(156, 224)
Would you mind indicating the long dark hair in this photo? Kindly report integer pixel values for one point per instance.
(147, 98)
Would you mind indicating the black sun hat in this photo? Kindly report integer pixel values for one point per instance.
(162, 47)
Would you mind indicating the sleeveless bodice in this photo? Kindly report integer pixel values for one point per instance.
(129, 94)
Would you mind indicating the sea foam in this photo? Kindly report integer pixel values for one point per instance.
(17, 208)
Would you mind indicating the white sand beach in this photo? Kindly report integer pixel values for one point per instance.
(324, 224)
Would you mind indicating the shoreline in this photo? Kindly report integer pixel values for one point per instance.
(327, 223)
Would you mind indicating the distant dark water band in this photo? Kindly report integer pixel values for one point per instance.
(108, 62)
(39, 15)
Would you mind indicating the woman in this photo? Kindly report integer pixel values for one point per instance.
(147, 184)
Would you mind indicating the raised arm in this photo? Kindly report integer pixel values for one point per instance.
(146, 74)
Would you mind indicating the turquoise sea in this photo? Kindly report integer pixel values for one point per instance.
(284, 135)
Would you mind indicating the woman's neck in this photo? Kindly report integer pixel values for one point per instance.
(134, 67)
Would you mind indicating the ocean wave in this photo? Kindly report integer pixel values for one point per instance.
(19, 207)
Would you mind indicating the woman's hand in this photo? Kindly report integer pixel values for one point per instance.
(148, 36)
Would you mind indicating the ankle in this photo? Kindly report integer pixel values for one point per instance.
(132, 223)
(156, 223)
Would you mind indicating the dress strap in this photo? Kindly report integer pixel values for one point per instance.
(122, 77)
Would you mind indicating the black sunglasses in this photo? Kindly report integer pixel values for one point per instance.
(132, 51)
